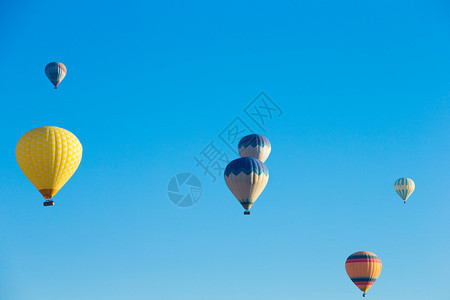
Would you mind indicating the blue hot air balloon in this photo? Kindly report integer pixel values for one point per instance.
(246, 177)
(55, 72)
(254, 145)
(404, 187)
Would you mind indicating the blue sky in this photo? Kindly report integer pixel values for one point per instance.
(364, 88)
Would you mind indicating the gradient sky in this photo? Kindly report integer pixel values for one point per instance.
(364, 88)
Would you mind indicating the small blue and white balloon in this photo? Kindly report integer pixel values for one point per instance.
(256, 146)
(246, 177)
(404, 187)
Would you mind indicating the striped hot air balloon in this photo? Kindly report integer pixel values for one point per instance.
(404, 187)
(246, 178)
(48, 156)
(363, 268)
(56, 72)
(254, 145)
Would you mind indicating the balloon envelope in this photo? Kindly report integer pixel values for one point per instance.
(363, 268)
(48, 156)
(246, 178)
(256, 146)
(56, 72)
(404, 187)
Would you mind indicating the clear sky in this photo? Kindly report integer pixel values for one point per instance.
(364, 90)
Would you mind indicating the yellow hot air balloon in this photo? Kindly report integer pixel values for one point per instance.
(363, 268)
(48, 156)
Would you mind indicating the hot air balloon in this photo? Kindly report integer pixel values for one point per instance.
(363, 268)
(246, 177)
(404, 187)
(254, 145)
(48, 156)
(56, 72)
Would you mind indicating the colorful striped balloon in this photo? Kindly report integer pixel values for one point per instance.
(404, 187)
(363, 268)
(56, 72)
(246, 177)
(256, 146)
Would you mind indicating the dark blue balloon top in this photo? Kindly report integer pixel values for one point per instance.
(253, 140)
(246, 165)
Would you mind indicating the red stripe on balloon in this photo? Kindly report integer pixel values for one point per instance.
(362, 260)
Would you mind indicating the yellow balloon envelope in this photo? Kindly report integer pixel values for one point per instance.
(48, 156)
(363, 268)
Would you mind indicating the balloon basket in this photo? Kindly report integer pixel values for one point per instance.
(247, 213)
(49, 203)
